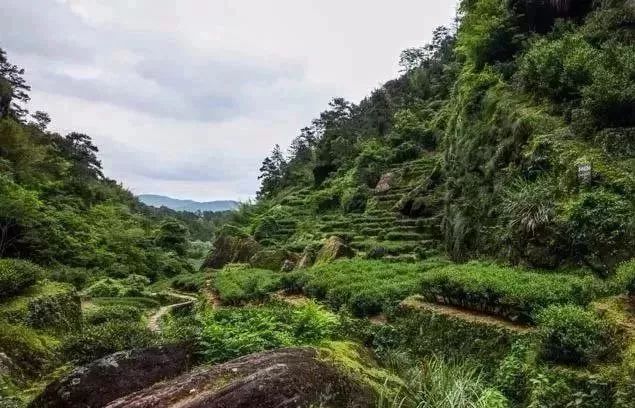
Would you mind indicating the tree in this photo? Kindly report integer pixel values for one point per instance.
(41, 120)
(18, 210)
(272, 172)
(173, 236)
(80, 150)
(13, 89)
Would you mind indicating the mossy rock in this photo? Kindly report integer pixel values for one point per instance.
(271, 259)
(284, 378)
(231, 248)
(308, 256)
(46, 305)
(334, 248)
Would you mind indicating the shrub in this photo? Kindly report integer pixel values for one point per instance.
(405, 152)
(325, 200)
(238, 284)
(573, 335)
(46, 305)
(354, 200)
(25, 347)
(558, 69)
(601, 228)
(230, 333)
(17, 275)
(365, 287)
(190, 282)
(511, 292)
(105, 288)
(78, 277)
(624, 278)
(120, 313)
(172, 265)
(94, 342)
(134, 285)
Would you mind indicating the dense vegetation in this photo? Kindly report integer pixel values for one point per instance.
(468, 229)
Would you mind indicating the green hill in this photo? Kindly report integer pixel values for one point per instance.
(187, 205)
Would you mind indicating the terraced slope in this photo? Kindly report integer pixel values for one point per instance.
(395, 224)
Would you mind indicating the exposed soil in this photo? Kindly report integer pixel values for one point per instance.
(468, 315)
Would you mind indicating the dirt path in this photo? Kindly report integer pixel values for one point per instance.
(155, 318)
(468, 315)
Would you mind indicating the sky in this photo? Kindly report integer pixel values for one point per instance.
(185, 98)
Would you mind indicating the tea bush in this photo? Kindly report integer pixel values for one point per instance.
(25, 347)
(97, 341)
(17, 275)
(106, 287)
(573, 335)
(120, 313)
(511, 292)
(190, 282)
(78, 277)
(365, 287)
(46, 305)
(239, 284)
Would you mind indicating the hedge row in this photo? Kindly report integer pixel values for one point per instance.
(510, 292)
(17, 275)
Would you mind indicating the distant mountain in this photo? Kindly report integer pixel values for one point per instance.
(186, 205)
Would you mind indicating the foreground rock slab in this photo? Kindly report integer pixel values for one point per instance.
(286, 378)
(104, 380)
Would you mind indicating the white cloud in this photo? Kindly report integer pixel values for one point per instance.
(185, 98)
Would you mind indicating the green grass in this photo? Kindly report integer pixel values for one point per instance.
(512, 292)
(365, 287)
(437, 383)
(238, 284)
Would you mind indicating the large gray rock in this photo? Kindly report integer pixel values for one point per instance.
(104, 380)
(231, 246)
(333, 248)
(285, 378)
(385, 183)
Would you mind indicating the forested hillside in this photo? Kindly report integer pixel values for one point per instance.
(462, 237)
(66, 228)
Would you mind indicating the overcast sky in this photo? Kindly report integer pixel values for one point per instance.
(185, 98)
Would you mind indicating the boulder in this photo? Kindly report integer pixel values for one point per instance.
(284, 378)
(288, 265)
(231, 246)
(269, 259)
(385, 183)
(333, 248)
(111, 377)
(308, 256)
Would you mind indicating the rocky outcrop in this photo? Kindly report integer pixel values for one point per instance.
(308, 256)
(385, 183)
(285, 378)
(333, 248)
(231, 246)
(269, 259)
(104, 380)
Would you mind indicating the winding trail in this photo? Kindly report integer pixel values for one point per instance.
(155, 318)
